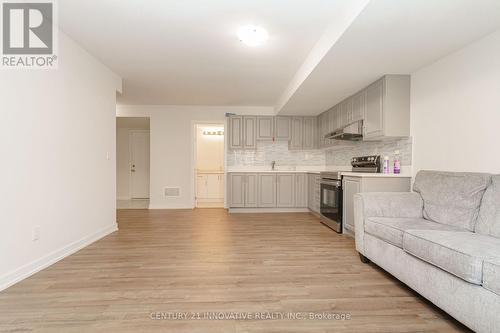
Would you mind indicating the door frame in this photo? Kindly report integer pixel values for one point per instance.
(194, 137)
(130, 132)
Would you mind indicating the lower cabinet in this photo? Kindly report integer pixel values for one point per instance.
(268, 190)
(314, 192)
(251, 189)
(352, 185)
(285, 189)
(242, 190)
(301, 190)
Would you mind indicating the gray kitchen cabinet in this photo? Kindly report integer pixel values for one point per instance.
(350, 186)
(237, 190)
(388, 108)
(346, 112)
(251, 190)
(282, 128)
(384, 107)
(285, 190)
(250, 131)
(242, 190)
(300, 190)
(332, 121)
(358, 106)
(304, 135)
(323, 129)
(265, 128)
(267, 190)
(271, 190)
(314, 192)
(358, 184)
(242, 132)
(297, 133)
(309, 133)
(374, 119)
(236, 132)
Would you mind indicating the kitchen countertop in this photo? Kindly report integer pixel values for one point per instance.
(273, 171)
(344, 173)
(375, 175)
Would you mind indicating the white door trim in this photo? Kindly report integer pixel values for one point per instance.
(194, 134)
(130, 132)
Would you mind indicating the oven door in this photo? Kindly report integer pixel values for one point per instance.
(331, 204)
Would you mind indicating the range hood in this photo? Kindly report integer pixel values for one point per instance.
(351, 132)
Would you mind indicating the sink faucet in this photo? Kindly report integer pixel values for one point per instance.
(273, 164)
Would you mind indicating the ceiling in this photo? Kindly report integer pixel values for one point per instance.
(186, 52)
(391, 37)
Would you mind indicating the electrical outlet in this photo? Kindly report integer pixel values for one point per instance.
(36, 233)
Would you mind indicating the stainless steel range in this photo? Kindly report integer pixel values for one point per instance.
(331, 200)
(331, 190)
(368, 164)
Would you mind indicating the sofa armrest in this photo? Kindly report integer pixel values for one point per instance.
(386, 204)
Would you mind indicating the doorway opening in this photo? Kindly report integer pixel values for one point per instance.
(132, 162)
(209, 166)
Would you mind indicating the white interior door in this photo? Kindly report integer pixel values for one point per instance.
(139, 164)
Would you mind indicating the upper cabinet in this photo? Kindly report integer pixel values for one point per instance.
(304, 133)
(374, 119)
(282, 128)
(297, 128)
(358, 106)
(309, 133)
(249, 135)
(236, 132)
(245, 131)
(242, 132)
(388, 108)
(384, 108)
(265, 128)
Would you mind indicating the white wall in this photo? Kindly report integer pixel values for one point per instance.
(209, 150)
(172, 148)
(122, 164)
(455, 110)
(57, 128)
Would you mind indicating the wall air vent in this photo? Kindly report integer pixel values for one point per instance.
(172, 191)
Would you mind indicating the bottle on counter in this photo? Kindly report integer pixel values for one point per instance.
(386, 164)
(397, 163)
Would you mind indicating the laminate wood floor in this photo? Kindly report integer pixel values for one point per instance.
(206, 262)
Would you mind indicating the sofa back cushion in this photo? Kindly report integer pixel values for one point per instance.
(452, 198)
(488, 222)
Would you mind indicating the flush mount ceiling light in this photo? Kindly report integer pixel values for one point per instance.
(252, 35)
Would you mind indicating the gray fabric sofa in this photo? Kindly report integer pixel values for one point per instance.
(442, 240)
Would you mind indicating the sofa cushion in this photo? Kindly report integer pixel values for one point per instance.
(452, 198)
(488, 222)
(491, 275)
(391, 229)
(457, 252)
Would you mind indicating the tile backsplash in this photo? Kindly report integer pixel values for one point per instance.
(267, 152)
(340, 156)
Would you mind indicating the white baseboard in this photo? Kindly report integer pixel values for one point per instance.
(268, 210)
(33, 267)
